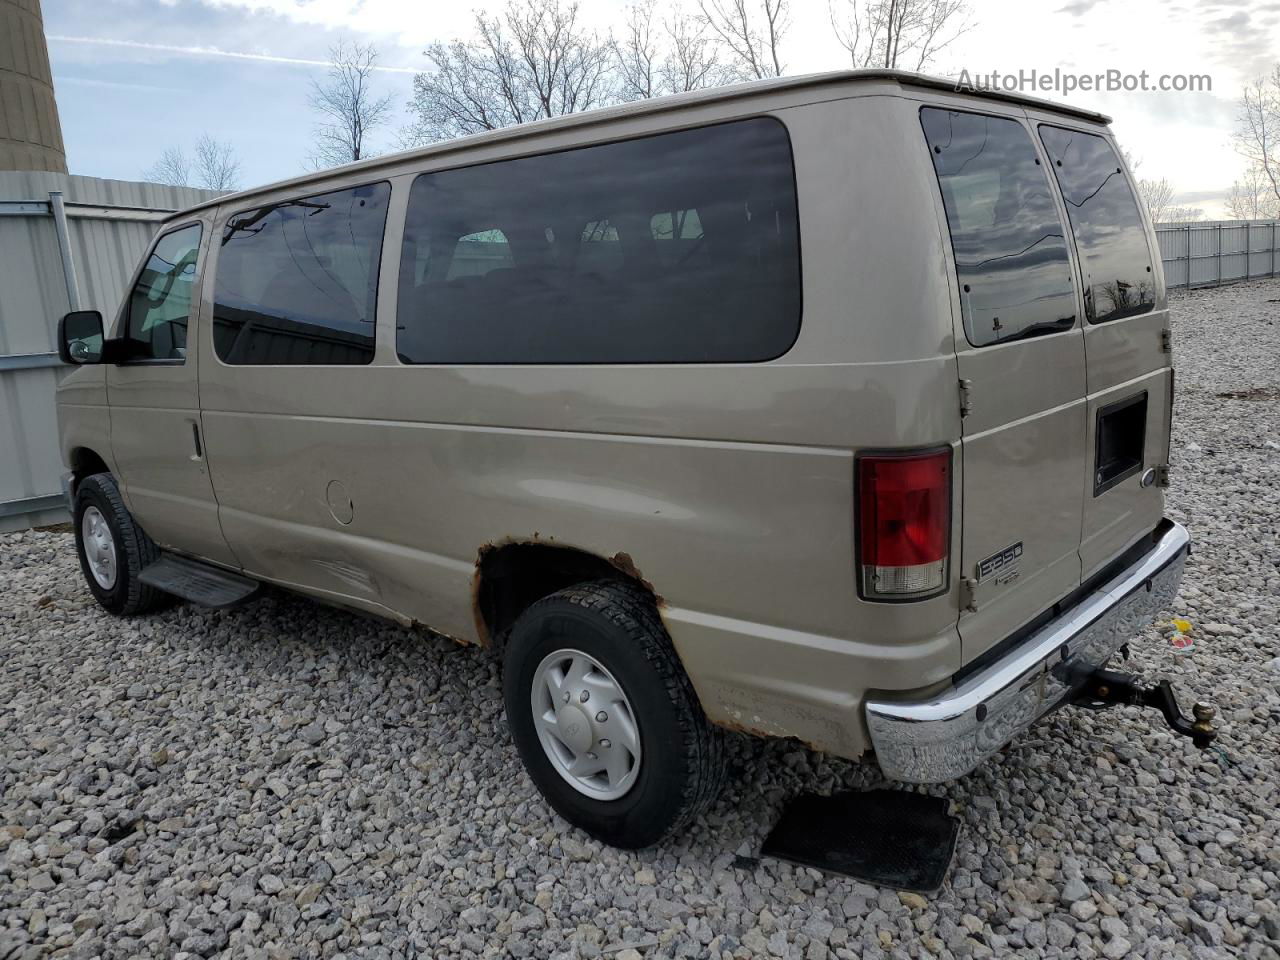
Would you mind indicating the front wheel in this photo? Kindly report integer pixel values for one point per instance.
(113, 549)
(604, 717)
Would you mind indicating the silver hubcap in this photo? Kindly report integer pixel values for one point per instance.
(586, 724)
(99, 547)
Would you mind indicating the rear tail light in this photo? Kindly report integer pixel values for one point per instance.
(904, 524)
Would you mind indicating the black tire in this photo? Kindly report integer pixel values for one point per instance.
(127, 596)
(682, 755)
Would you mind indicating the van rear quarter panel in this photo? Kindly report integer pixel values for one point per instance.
(729, 485)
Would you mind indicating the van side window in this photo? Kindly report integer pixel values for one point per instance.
(600, 251)
(677, 231)
(1006, 236)
(478, 253)
(1110, 238)
(160, 302)
(297, 281)
(677, 248)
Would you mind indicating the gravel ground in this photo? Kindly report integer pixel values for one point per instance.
(284, 780)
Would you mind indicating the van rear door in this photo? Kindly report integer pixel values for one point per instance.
(1128, 366)
(1021, 359)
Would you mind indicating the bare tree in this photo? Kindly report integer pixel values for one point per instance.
(216, 166)
(752, 32)
(172, 168)
(675, 55)
(534, 60)
(348, 106)
(1158, 196)
(1251, 197)
(1257, 135)
(693, 59)
(637, 55)
(1180, 214)
(897, 33)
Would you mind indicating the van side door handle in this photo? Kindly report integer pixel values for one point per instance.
(195, 440)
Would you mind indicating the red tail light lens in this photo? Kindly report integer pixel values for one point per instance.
(904, 517)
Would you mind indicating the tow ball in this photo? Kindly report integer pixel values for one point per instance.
(1107, 687)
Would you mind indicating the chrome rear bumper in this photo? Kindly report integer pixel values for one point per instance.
(951, 732)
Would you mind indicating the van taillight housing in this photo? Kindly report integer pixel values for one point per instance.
(904, 524)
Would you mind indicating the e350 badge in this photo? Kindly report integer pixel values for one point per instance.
(1002, 566)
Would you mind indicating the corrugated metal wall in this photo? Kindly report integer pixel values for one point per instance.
(110, 223)
(1199, 254)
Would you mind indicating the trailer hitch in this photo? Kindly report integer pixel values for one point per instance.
(1107, 686)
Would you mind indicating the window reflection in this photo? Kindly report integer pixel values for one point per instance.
(1008, 242)
(1107, 225)
(297, 281)
(160, 303)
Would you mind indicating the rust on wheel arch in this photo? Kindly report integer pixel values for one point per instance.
(625, 565)
(582, 564)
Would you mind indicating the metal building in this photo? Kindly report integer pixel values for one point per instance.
(30, 134)
(44, 272)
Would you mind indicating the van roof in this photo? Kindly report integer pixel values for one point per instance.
(656, 105)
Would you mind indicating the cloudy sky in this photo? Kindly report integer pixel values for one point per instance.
(136, 76)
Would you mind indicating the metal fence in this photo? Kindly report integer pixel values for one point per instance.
(65, 242)
(1206, 254)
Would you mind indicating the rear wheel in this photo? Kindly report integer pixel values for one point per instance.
(605, 718)
(113, 549)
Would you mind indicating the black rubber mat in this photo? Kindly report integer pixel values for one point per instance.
(884, 837)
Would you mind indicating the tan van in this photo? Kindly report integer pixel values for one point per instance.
(830, 407)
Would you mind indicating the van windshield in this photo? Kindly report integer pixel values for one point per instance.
(1007, 238)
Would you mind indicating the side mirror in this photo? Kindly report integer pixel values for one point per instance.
(80, 337)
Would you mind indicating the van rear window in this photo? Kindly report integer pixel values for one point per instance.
(1006, 236)
(1110, 237)
(676, 248)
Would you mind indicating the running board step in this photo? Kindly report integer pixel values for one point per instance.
(198, 582)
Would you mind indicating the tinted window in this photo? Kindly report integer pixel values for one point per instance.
(160, 303)
(1110, 238)
(669, 249)
(297, 281)
(1009, 245)
(478, 253)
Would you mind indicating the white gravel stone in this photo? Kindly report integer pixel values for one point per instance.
(284, 779)
(270, 883)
